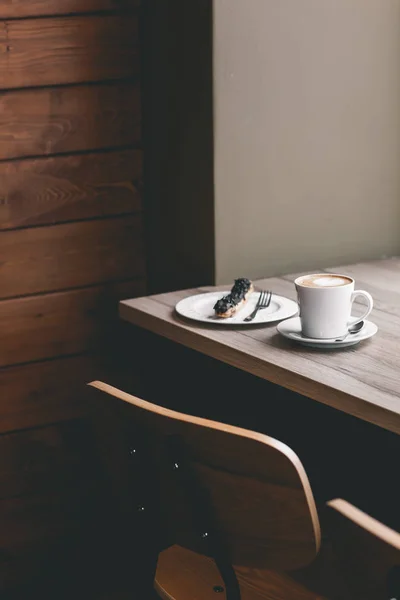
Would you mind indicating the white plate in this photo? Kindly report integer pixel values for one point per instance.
(291, 329)
(201, 308)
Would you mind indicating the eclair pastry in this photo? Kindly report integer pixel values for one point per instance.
(230, 304)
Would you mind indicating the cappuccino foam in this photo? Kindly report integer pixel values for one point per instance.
(324, 281)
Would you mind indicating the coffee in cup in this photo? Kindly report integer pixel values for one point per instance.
(325, 281)
(325, 301)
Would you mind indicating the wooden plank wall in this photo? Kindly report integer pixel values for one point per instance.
(71, 246)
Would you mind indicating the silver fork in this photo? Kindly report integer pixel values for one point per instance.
(264, 300)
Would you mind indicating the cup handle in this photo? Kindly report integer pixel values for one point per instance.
(370, 304)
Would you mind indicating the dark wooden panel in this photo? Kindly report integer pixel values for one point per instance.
(30, 529)
(36, 52)
(47, 459)
(43, 122)
(45, 392)
(47, 479)
(62, 188)
(41, 533)
(44, 259)
(28, 8)
(52, 391)
(32, 518)
(45, 326)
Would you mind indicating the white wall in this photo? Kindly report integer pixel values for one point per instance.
(307, 133)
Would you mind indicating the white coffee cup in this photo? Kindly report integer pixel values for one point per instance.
(325, 302)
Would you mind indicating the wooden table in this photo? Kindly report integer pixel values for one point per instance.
(362, 380)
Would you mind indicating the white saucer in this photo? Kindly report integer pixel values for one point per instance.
(291, 329)
(201, 308)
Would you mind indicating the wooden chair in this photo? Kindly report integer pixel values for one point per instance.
(368, 551)
(237, 505)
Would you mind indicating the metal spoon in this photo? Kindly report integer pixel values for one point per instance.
(352, 329)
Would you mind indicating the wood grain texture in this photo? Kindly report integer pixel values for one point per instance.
(259, 493)
(66, 188)
(70, 198)
(35, 52)
(47, 121)
(36, 8)
(59, 324)
(184, 574)
(45, 459)
(71, 255)
(367, 551)
(45, 392)
(361, 381)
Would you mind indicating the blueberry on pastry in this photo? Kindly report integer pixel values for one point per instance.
(235, 300)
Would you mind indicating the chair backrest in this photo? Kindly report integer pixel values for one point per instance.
(367, 550)
(217, 481)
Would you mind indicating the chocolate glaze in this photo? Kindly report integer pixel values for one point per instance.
(236, 295)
